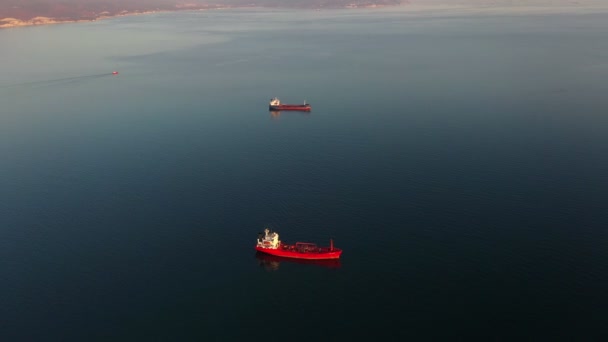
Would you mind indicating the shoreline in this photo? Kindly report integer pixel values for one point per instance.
(7, 23)
(411, 8)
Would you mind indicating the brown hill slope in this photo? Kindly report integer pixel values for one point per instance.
(63, 10)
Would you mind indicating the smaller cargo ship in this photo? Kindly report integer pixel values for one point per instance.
(269, 243)
(275, 104)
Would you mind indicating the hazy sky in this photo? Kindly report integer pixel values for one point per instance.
(512, 2)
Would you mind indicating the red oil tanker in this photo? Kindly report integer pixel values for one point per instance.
(269, 243)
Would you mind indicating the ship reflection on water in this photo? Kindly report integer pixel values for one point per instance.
(276, 114)
(272, 263)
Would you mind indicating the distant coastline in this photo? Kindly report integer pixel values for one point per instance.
(10, 22)
(40, 20)
(415, 7)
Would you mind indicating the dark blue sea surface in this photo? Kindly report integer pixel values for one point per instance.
(460, 161)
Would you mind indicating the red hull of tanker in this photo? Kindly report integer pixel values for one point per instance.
(273, 261)
(302, 108)
(290, 251)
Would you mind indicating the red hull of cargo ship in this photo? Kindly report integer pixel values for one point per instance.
(303, 108)
(273, 262)
(291, 251)
(269, 243)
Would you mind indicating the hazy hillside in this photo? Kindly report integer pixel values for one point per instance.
(91, 9)
(33, 12)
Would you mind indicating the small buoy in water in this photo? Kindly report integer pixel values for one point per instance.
(114, 72)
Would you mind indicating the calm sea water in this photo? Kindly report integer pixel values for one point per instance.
(459, 160)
